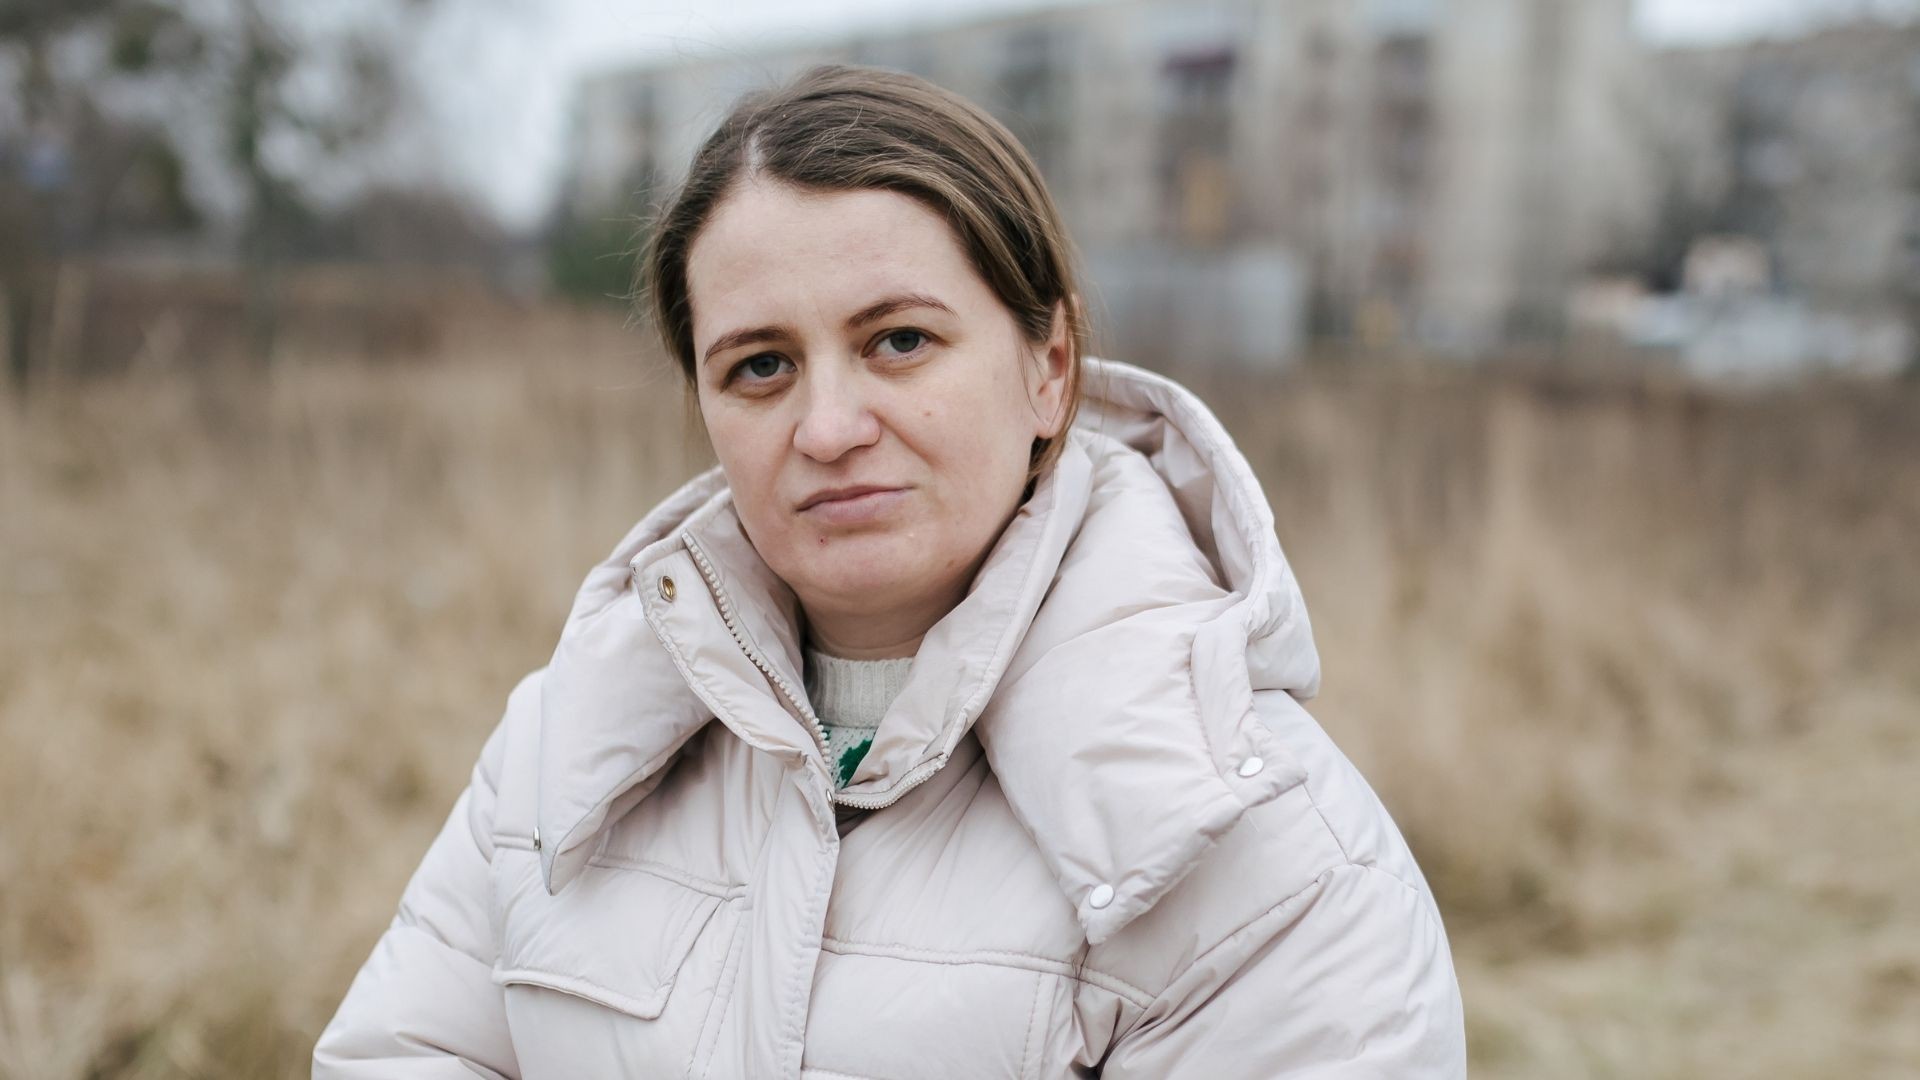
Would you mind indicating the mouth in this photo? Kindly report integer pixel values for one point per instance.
(845, 494)
(860, 505)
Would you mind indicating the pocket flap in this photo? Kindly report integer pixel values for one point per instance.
(614, 935)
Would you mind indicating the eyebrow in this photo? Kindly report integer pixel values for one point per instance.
(880, 309)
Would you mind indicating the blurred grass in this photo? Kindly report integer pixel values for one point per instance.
(1633, 665)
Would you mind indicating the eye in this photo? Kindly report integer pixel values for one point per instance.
(757, 368)
(914, 338)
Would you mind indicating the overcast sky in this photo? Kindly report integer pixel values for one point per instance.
(510, 63)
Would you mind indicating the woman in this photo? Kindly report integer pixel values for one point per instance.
(935, 733)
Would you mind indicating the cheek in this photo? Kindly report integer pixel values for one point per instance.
(977, 449)
(751, 460)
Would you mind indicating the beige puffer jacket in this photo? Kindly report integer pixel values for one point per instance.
(1106, 839)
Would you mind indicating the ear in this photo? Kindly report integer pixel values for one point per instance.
(1049, 375)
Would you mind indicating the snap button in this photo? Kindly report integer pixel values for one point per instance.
(536, 838)
(666, 589)
(1101, 896)
(1251, 766)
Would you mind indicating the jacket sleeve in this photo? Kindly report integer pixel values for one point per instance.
(424, 1005)
(1351, 979)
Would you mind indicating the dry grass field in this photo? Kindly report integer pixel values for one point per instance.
(1637, 669)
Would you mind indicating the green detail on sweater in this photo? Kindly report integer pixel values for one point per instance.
(850, 759)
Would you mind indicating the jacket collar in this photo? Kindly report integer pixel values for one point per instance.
(1105, 656)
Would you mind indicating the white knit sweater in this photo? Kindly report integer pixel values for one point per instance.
(850, 697)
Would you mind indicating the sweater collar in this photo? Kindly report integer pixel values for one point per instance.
(1105, 656)
(853, 693)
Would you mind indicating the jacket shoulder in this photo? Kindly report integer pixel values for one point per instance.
(503, 777)
(1278, 855)
(1345, 803)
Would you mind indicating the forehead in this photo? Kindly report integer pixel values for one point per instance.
(773, 253)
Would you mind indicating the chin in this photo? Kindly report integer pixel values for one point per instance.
(870, 570)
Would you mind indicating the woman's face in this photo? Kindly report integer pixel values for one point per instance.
(871, 401)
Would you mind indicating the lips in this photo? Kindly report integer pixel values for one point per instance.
(863, 506)
(843, 494)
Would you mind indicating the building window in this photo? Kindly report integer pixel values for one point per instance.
(1195, 143)
(1031, 87)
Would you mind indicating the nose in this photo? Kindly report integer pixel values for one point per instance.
(836, 419)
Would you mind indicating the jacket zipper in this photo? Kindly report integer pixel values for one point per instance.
(914, 777)
(797, 701)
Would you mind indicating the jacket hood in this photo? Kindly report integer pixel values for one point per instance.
(1106, 656)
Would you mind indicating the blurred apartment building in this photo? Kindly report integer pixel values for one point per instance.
(1790, 211)
(1243, 176)
(1813, 150)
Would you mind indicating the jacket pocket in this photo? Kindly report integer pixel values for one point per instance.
(616, 936)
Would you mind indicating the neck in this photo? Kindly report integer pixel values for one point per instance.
(853, 634)
(871, 638)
